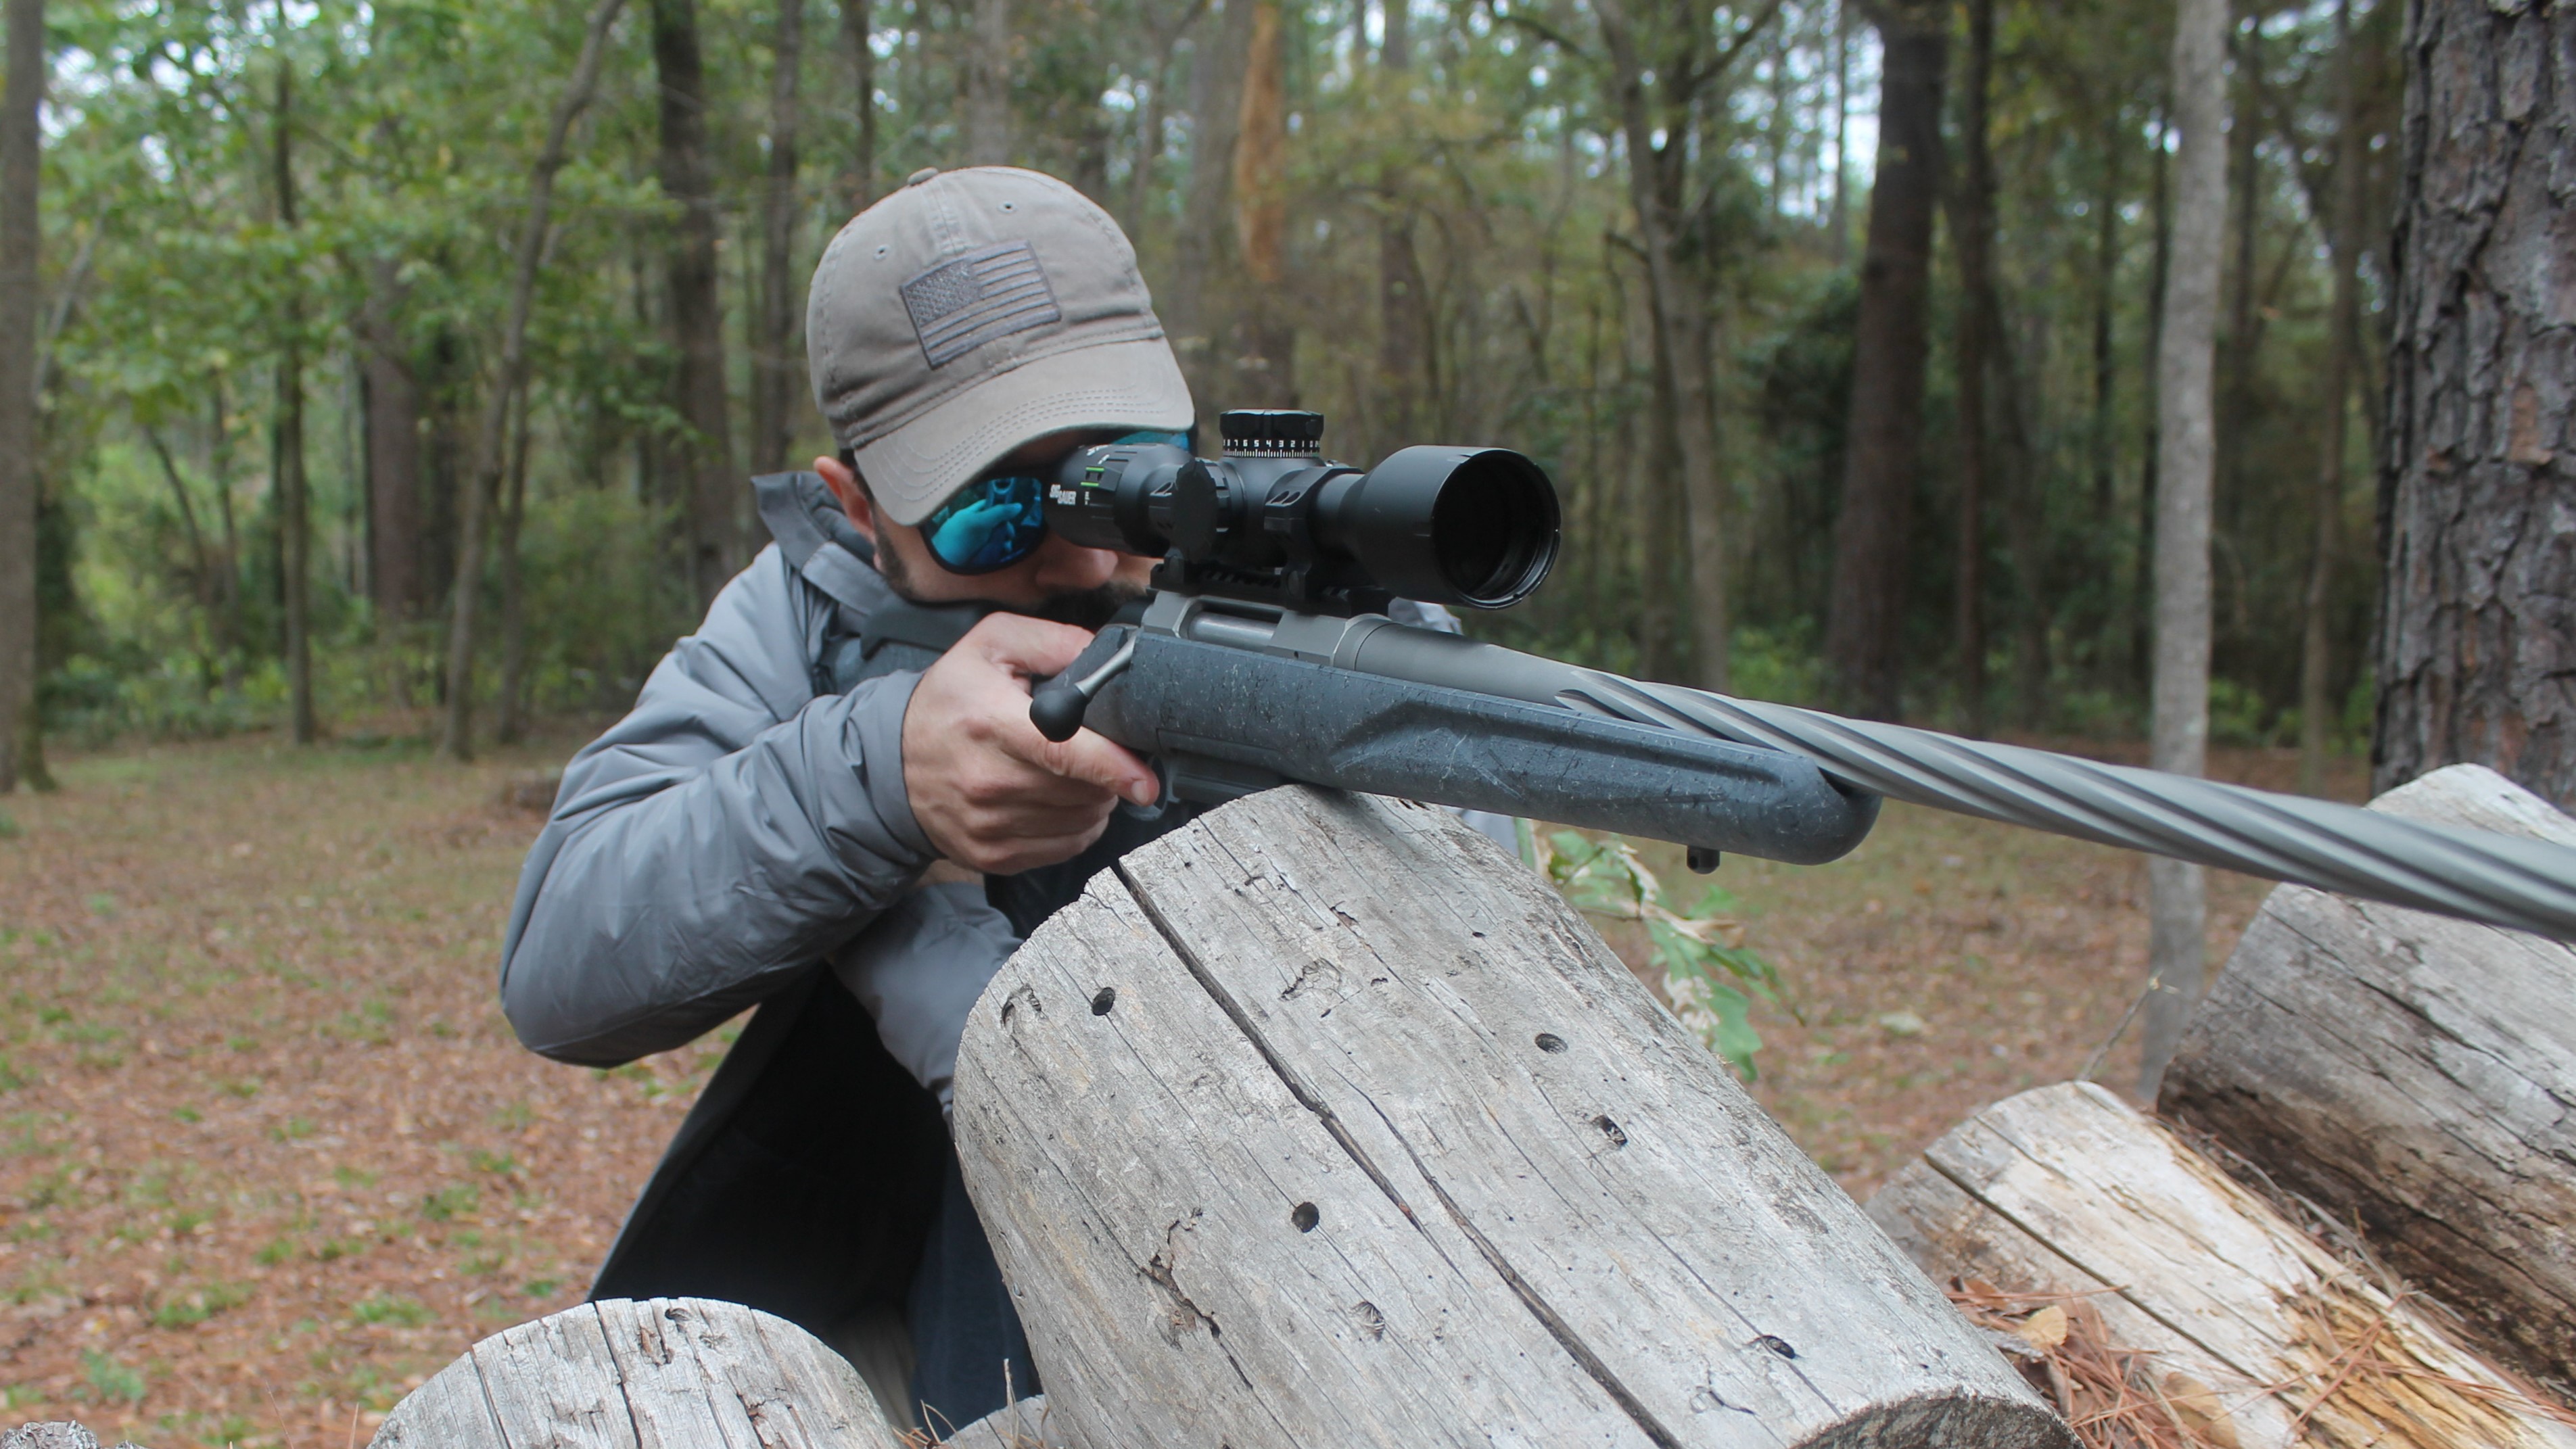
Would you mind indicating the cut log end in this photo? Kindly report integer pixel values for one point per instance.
(2408, 1072)
(1333, 1171)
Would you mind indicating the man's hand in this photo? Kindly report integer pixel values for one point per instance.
(992, 793)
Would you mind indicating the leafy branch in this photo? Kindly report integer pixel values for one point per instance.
(1710, 975)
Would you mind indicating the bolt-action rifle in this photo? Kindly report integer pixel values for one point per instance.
(1264, 655)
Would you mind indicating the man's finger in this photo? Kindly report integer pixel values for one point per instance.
(1095, 759)
(1033, 647)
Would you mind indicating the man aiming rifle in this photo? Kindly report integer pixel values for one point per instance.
(848, 767)
(829, 801)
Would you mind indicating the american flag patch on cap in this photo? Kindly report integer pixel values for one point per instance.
(990, 292)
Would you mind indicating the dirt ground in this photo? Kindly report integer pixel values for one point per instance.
(269, 1155)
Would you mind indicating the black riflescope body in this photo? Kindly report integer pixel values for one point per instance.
(1275, 522)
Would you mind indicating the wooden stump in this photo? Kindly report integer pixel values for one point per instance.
(2416, 1073)
(2067, 1190)
(676, 1372)
(1324, 1122)
(53, 1434)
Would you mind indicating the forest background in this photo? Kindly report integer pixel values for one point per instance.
(288, 443)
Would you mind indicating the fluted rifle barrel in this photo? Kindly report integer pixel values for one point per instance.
(2471, 874)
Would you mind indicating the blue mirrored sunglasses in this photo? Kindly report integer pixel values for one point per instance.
(1000, 518)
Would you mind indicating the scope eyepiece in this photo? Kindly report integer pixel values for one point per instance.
(1274, 522)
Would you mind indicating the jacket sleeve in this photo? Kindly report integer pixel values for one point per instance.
(731, 832)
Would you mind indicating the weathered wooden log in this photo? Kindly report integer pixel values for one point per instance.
(53, 1434)
(2263, 1335)
(1324, 1122)
(624, 1374)
(2415, 1073)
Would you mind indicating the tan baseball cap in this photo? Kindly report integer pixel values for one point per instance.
(971, 311)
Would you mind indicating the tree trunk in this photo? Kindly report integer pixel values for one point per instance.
(201, 556)
(295, 513)
(2343, 329)
(777, 364)
(1439, 1172)
(1679, 305)
(1973, 215)
(2113, 629)
(457, 742)
(2477, 632)
(2176, 898)
(394, 573)
(1402, 315)
(1201, 305)
(988, 84)
(2407, 1073)
(1840, 218)
(21, 152)
(1864, 627)
(512, 715)
(714, 493)
(2142, 602)
(219, 462)
(1266, 352)
(1149, 133)
(856, 26)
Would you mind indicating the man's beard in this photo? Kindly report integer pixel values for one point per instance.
(1084, 609)
(1089, 609)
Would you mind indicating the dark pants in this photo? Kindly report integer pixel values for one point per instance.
(965, 1333)
(815, 1181)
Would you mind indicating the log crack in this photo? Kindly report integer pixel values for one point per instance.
(1307, 1097)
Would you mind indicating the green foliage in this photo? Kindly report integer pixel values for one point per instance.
(391, 1308)
(456, 1200)
(110, 1380)
(1500, 158)
(1709, 974)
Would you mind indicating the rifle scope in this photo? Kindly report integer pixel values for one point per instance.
(1276, 522)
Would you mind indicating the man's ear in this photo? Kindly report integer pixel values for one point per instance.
(852, 497)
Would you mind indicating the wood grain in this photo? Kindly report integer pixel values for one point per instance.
(2066, 1189)
(658, 1374)
(2414, 1073)
(1326, 1122)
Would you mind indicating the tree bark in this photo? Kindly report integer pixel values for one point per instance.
(511, 722)
(714, 493)
(778, 367)
(21, 154)
(1974, 241)
(2343, 327)
(1840, 218)
(2142, 602)
(2177, 901)
(856, 26)
(457, 742)
(988, 84)
(1200, 307)
(2477, 633)
(394, 575)
(294, 508)
(219, 462)
(1265, 360)
(1864, 627)
(1403, 317)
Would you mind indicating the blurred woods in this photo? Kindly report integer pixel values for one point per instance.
(363, 325)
